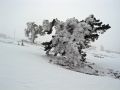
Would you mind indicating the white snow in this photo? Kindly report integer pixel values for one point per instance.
(104, 59)
(27, 68)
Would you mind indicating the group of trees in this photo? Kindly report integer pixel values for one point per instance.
(71, 37)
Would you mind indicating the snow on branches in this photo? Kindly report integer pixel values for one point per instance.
(32, 30)
(72, 36)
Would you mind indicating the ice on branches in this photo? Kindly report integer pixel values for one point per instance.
(72, 36)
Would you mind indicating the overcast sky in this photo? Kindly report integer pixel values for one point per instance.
(15, 13)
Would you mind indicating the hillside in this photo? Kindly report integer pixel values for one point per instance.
(28, 68)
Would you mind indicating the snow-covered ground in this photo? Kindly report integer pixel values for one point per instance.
(28, 68)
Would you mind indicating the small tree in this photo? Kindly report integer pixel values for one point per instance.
(72, 37)
(33, 30)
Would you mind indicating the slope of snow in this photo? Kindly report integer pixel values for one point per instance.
(27, 68)
(108, 60)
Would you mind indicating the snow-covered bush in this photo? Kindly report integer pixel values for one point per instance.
(72, 36)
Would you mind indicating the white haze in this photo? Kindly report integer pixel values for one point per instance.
(15, 13)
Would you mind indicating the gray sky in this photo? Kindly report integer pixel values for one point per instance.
(15, 13)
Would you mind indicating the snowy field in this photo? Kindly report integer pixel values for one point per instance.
(28, 68)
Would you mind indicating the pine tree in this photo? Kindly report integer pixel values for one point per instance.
(73, 36)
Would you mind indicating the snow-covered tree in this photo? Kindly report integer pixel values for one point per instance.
(33, 30)
(72, 37)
